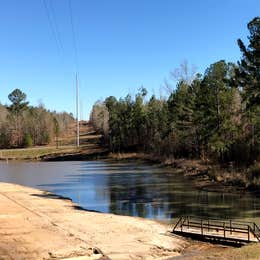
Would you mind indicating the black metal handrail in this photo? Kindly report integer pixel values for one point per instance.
(180, 219)
(238, 222)
(225, 226)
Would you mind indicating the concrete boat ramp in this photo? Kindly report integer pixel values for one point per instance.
(39, 225)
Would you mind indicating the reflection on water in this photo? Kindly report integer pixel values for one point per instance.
(130, 189)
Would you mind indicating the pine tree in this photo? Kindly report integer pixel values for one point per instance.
(248, 74)
(248, 79)
(181, 115)
(213, 104)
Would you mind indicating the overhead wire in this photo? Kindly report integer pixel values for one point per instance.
(51, 16)
(74, 38)
(56, 25)
(53, 27)
(50, 13)
(76, 70)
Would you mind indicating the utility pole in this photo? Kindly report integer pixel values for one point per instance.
(77, 109)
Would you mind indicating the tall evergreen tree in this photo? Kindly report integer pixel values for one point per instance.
(17, 97)
(248, 74)
(181, 105)
(248, 78)
(19, 104)
(213, 103)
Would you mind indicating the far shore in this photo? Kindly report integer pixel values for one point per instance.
(204, 175)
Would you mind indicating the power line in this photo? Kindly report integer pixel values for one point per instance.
(56, 25)
(77, 110)
(74, 38)
(76, 70)
(53, 27)
(50, 12)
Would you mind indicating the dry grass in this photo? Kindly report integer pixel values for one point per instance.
(243, 253)
(249, 252)
(33, 153)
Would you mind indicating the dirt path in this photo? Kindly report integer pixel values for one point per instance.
(39, 225)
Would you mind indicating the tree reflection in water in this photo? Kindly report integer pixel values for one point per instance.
(131, 188)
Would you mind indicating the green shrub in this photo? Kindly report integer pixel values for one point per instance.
(28, 142)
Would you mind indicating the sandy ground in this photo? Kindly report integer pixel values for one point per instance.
(39, 225)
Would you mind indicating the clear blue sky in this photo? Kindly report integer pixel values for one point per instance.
(121, 45)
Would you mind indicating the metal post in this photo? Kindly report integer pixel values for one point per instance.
(248, 230)
(201, 223)
(224, 225)
(77, 109)
(230, 222)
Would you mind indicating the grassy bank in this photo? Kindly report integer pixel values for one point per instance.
(34, 153)
(89, 144)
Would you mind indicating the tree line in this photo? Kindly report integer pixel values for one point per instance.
(211, 116)
(22, 125)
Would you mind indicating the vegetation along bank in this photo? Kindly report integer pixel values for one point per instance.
(214, 118)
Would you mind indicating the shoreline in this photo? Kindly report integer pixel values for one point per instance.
(37, 224)
(205, 176)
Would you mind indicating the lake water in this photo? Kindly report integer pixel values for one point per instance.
(130, 188)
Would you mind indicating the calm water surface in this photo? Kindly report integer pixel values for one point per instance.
(134, 188)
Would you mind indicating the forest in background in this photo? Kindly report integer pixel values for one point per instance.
(214, 116)
(22, 125)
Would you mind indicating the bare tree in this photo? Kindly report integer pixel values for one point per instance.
(99, 117)
(184, 73)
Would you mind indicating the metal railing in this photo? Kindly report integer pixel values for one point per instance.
(219, 228)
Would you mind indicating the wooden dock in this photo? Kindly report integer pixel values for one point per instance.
(218, 231)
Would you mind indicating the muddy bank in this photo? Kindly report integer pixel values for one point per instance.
(205, 176)
(39, 225)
